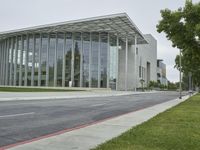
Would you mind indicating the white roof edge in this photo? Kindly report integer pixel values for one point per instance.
(68, 22)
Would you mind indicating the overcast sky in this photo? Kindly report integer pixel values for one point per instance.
(15, 14)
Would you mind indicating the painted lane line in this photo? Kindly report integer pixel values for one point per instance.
(14, 115)
(98, 105)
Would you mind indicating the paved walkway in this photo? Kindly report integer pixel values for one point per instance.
(90, 136)
(12, 96)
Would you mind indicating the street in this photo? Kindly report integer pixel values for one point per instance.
(25, 120)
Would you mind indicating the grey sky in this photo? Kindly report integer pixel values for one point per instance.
(145, 14)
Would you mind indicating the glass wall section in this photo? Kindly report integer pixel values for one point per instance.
(68, 56)
(103, 57)
(11, 62)
(44, 59)
(24, 59)
(14, 59)
(113, 62)
(77, 58)
(30, 59)
(52, 58)
(18, 55)
(94, 59)
(86, 53)
(60, 47)
(36, 61)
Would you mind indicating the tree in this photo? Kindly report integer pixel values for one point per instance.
(182, 28)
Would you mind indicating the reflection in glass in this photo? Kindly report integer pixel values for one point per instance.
(60, 58)
(18, 54)
(86, 49)
(44, 59)
(36, 62)
(68, 56)
(94, 60)
(24, 59)
(104, 55)
(77, 57)
(52, 58)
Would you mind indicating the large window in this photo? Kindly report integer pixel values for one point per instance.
(18, 55)
(24, 59)
(44, 59)
(94, 63)
(86, 53)
(77, 57)
(68, 56)
(60, 58)
(104, 55)
(52, 58)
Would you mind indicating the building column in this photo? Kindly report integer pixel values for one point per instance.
(26, 60)
(99, 62)
(90, 60)
(117, 74)
(64, 61)
(0, 63)
(39, 67)
(21, 61)
(15, 61)
(47, 66)
(72, 61)
(126, 65)
(3, 63)
(33, 62)
(108, 62)
(11, 63)
(81, 61)
(136, 74)
(55, 61)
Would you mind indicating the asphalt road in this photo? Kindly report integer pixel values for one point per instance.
(25, 120)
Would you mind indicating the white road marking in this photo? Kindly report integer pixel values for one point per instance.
(98, 105)
(14, 115)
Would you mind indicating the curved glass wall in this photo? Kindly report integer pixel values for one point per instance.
(45, 59)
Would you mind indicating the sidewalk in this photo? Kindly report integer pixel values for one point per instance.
(13, 96)
(85, 138)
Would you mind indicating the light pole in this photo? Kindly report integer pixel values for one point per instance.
(180, 86)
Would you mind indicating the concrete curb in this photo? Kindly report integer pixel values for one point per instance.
(85, 139)
(78, 95)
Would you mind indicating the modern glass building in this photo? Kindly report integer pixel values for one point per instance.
(80, 53)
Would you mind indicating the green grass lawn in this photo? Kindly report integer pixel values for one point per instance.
(14, 89)
(175, 129)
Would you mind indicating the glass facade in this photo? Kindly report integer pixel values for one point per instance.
(46, 59)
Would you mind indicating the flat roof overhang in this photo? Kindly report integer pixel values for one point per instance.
(118, 24)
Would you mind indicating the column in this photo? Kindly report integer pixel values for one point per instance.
(64, 62)
(90, 60)
(39, 67)
(81, 61)
(135, 63)
(126, 65)
(117, 75)
(72, 61)
(26, 60)
(21, 61)
(3, 63)
(33, 62)
(11, 63)
(47, 66)
(15, 61)
(99, 62)
(0, 63)
(55, 63)
(108, 62)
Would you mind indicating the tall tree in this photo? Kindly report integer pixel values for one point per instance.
(182, 27)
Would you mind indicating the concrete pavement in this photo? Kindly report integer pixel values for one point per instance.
(88, 137)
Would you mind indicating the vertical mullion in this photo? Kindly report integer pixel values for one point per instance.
(11, 62)
(64, 61)
(15, 61)
(99, 61)
(33, 62)
(108, 61)
(55, 61)
(39, 67)
(26, 60)
(126, 65)
(90, 59)
(47, 66)
(21, 61)
(135, 51)
(81, 61)
(117, 73)
(72, 61)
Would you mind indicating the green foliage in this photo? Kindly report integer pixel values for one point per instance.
(182, 27)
